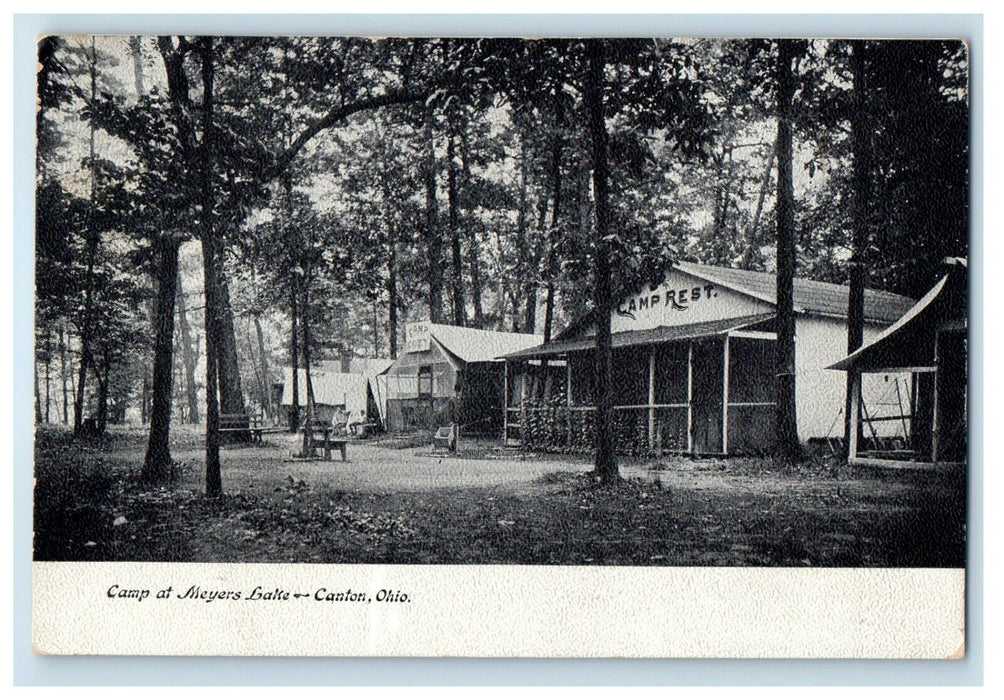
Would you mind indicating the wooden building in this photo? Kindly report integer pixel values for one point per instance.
(930, 344)
(448, 374)
(693, 366)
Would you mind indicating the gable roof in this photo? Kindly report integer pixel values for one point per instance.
(369, 366)
(811, 297)
(476, 345)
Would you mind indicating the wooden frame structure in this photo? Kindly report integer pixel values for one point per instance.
(930, 343)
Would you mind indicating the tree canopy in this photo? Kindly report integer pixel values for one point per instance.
(339, 188)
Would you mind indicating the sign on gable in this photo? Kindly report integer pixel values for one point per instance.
(681, 299)
(417, 337)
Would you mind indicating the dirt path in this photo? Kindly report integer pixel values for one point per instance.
(370, 469)
(376, 469)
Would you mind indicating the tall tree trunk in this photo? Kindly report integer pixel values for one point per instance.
(392, 300)
(214, 320)
(473, 246)
(530, 310)
(263, 361)
(764, 184)
(788, 447)
(721, 199)
(92, 252)
(533, 276)
(552, 233)
(585, 206)
(157, 463)
(63, 371)
(860, 236)
(48, 363)
(102, 376)
(256, 369)
(231, 393)
(38, 393)
(516, 317)
(390, 285)
(433, 236)
(73, 384)
(557, 147)
(526, 277)
(136, 49)
(308, 433)
(294, 356)
(606, 462)
(457, 271)
(187, 356)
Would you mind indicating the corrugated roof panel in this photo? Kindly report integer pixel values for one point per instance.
(810, 296)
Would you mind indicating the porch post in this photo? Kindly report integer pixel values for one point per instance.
(568, 401)
(651, 398)
(854, 419)
(725, 397)
(505, 403)
(935, 431)
(690, 397)
(523, 385)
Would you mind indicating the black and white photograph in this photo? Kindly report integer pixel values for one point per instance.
(634, 303)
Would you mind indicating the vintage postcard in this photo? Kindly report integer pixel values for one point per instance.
(649, 347)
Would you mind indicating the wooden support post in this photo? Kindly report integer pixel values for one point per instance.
(855, 417)
(327, 444)
(651, 399)
(912, 437)
(522, 402)
(690, 397)
(725, 396)
(568, 401)
(935, 431)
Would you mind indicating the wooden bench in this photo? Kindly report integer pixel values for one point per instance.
(244, 423)
(323, 435)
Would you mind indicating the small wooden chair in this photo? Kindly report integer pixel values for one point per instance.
(446, 438)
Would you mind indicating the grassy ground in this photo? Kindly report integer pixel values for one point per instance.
(410, 506)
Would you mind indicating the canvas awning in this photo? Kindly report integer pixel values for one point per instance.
(650, 336)
(908, 344)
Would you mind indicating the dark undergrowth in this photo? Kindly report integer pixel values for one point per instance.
(90, 507)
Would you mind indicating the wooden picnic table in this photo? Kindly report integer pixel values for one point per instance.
(328, 440)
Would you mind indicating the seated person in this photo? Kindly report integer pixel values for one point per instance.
(340, 419)
(354, 420)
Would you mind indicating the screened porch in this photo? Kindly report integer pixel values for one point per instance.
(686, 389)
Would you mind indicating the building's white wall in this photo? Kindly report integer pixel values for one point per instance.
(819, 392)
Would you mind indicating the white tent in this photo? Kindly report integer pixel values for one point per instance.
(349, 391)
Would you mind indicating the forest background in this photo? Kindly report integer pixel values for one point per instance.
(314, 195)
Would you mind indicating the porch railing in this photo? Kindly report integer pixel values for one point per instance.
(637, 430)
